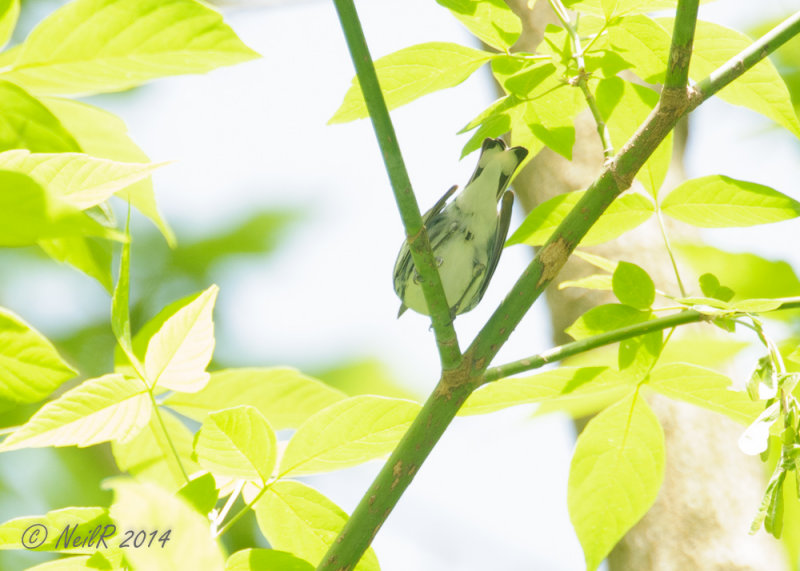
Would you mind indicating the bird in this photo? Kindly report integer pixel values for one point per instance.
(466, 235)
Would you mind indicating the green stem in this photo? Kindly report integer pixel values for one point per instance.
(581, 346)
(229, 504)
(581, 78)
(669, 249)
(749, 57)
(593, 342)
(680, 52)
(238, 515)
(165, 436)
(596, 36)
(417, 236)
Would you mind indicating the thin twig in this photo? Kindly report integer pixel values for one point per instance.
(581, 78)
(417, 236)
(581, 346)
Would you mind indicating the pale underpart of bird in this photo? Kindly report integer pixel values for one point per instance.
(466, 235)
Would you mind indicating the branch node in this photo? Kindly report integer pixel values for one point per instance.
(454, 379)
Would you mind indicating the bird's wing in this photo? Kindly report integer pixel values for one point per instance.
(437, 208)
(405, 264)
(499, 240)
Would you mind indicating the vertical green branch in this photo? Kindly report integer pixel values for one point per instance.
(680, 52)
(417, 236)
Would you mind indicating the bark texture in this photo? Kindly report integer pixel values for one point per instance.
(711, 490)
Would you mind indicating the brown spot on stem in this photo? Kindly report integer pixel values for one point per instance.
(552, 258)
(397, 472)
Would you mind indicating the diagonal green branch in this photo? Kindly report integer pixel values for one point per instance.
(457, 383)
(416, 235)
(746, 59)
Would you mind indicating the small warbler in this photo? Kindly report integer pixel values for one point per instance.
(466, 236)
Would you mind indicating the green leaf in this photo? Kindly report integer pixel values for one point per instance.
(611, 8)
(761, 88)
(30, 367)
(637, 355)
(149, 458)
(237, 442)
(773, 514)
(76, 178)
(9, 12)
(178, 354)
(82, 562)
(633, 286)
(615, 475)
(148, 507)
(259, 232)
(347, 433)
(27, 124)
(719, 201)
(110, 407)
(763, 382)
(597, 261)
(92, 256)
(705, 388)
(103, 134)
(749, 275)
(96, 46)
(362, 376)
(201, 493)
(710, 286)
(625, 106)
(755, 439)
(285, 397)
(146, 332)
(756, 305)
(701, 348)
(29, 213)
(543, 108)
(84, 518)
(562, 384)
(603, 318)
(643, 43)
(595, 281)
(491, 21)
(506, 115)
(624, 214)
(266, 560)
(298, 519)
(412, 72)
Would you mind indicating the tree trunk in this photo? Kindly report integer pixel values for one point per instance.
(711, 491)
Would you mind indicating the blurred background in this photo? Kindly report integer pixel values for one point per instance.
(295, 221)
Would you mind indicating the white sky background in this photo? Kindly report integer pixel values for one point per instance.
(493, 494)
